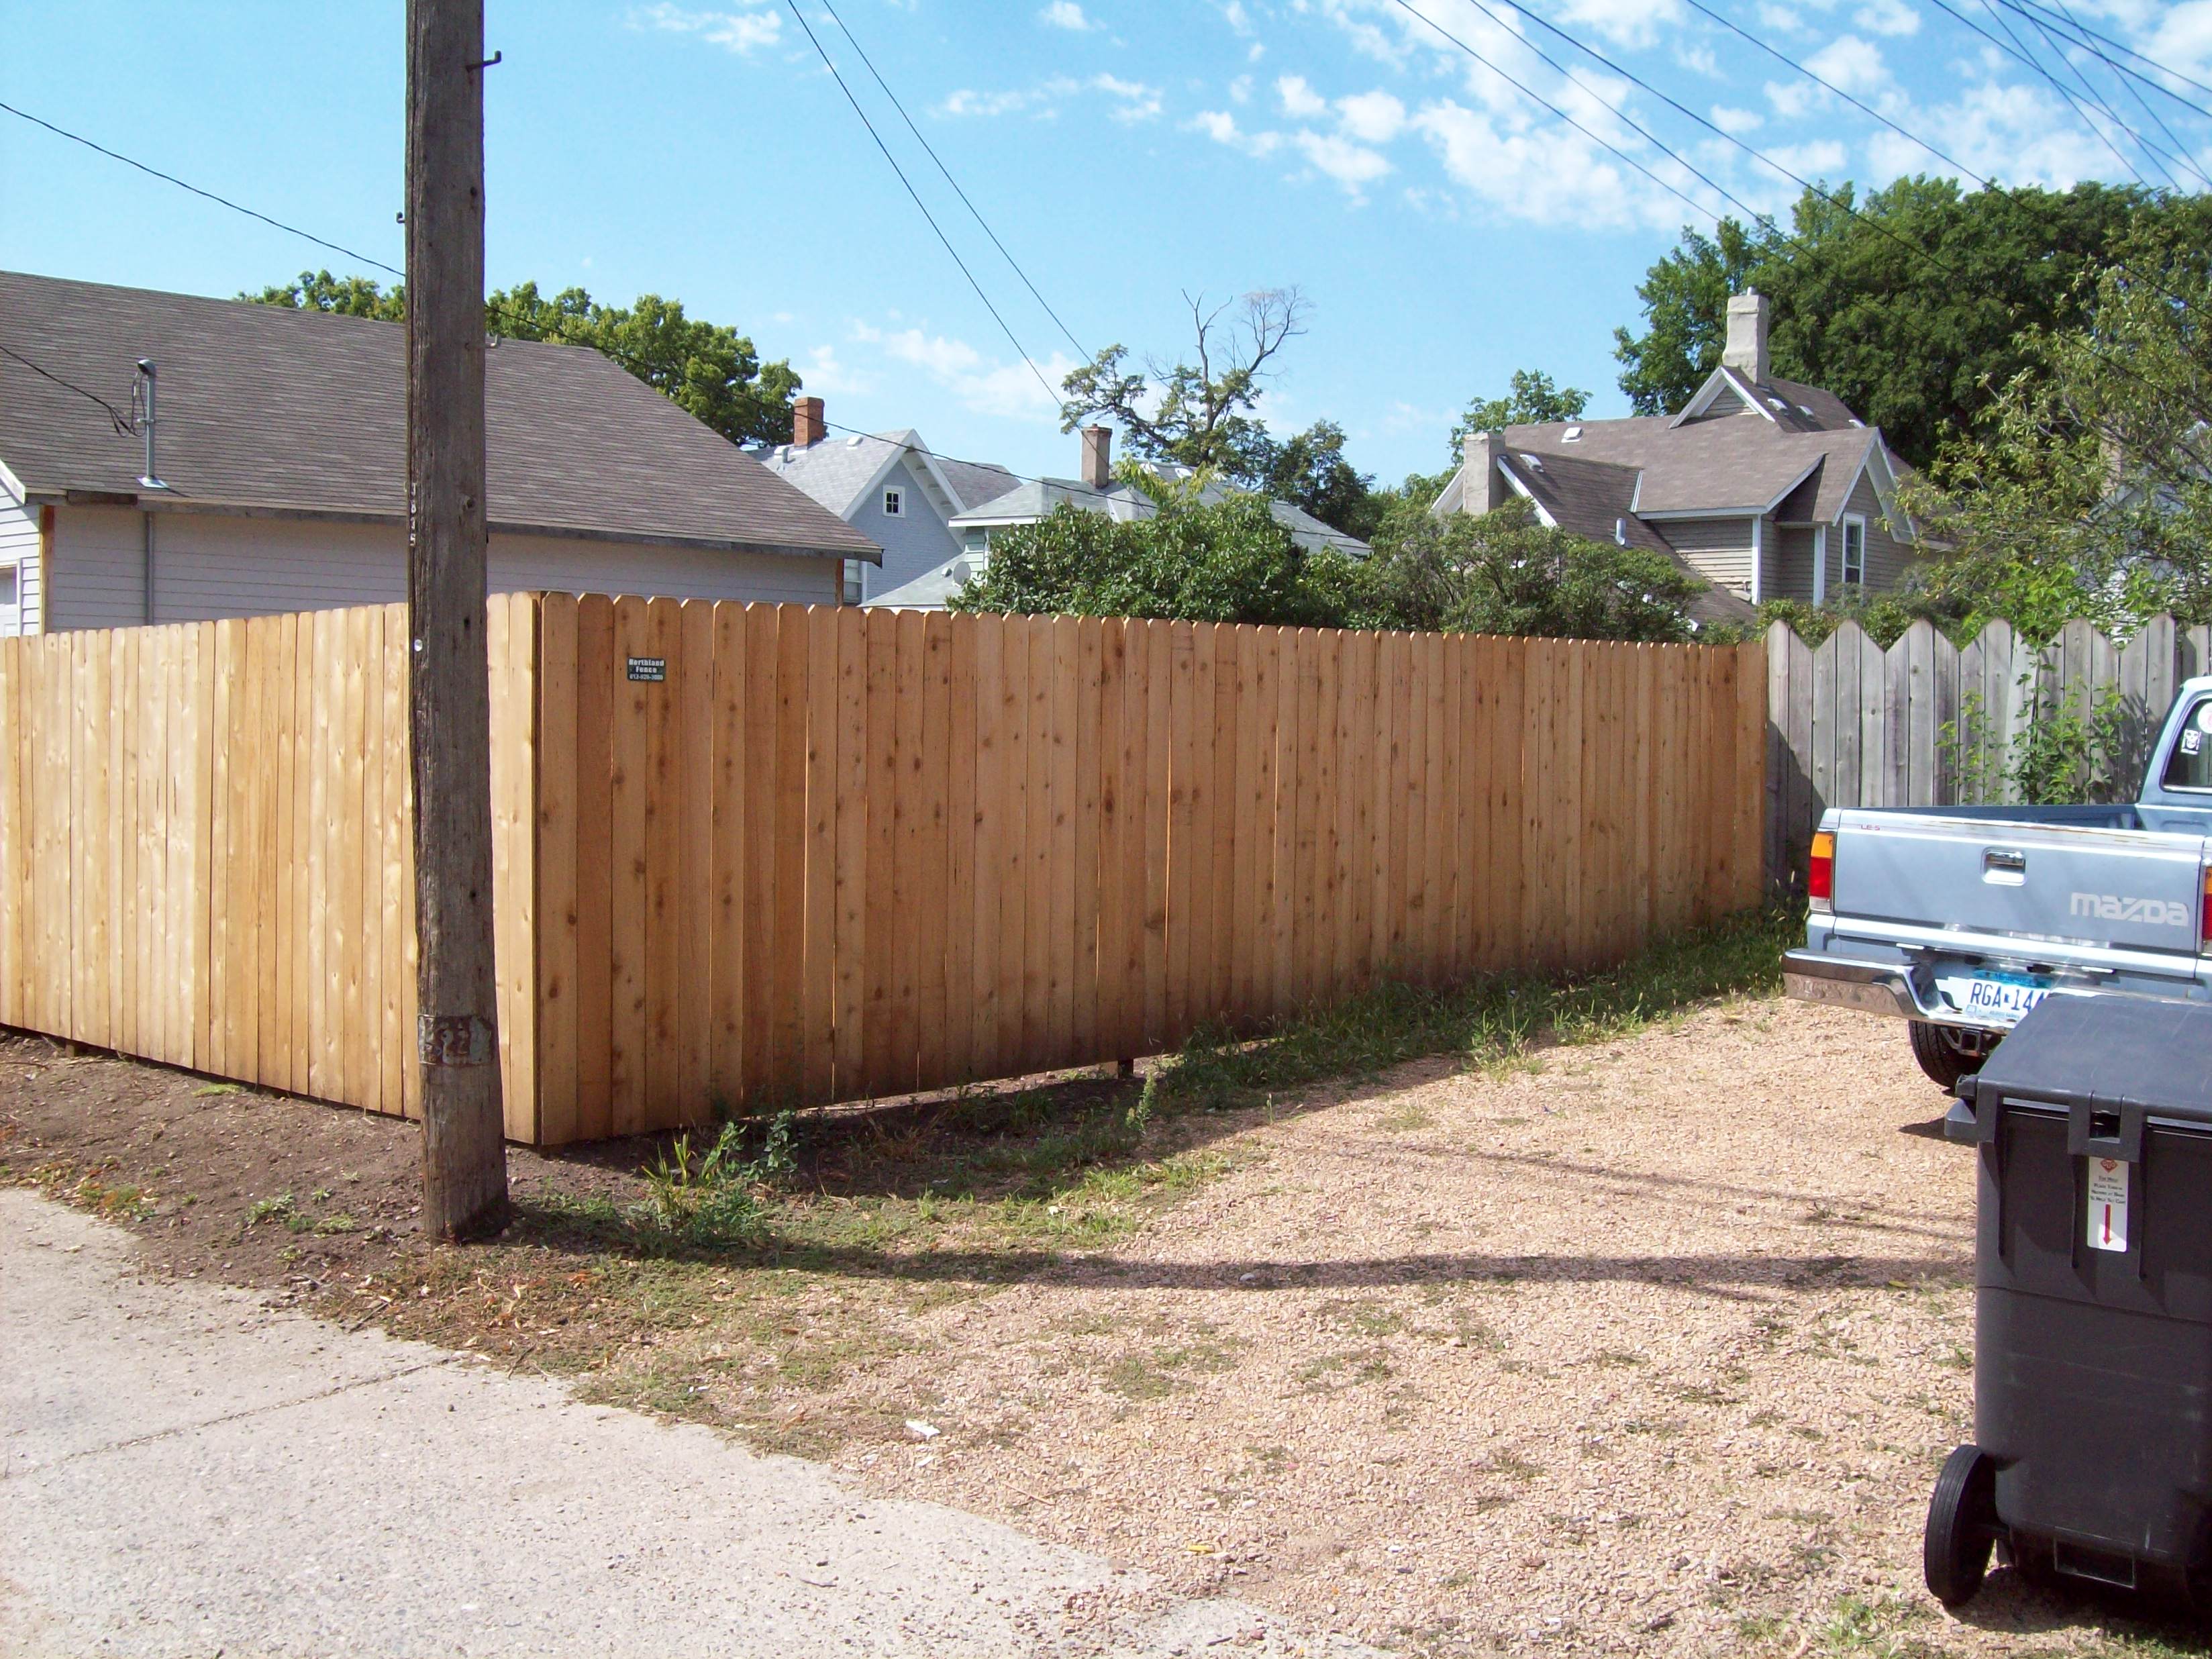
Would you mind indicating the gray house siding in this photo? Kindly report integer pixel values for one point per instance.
(915, 542)
(1718, 548)
(1886, 558)
(19, 552)
(1789, 572)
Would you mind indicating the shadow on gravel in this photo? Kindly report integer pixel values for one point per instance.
(2011, 1605)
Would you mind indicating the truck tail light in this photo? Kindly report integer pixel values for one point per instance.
(1820, 876)
(2204, 914)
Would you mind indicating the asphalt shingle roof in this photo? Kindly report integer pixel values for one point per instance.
(271, 409)
(836, 469)
(1037, 497)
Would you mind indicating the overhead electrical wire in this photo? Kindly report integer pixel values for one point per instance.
(829, 63)
(2121, 47)
(2020, 52)
(220, 201)
(2126, 80)
(123, 423)
(1634, 79)
(975, 212)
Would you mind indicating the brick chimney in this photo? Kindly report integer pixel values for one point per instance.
(1483, 487)
(1746, 350)
(1097, 457)
(806, 423)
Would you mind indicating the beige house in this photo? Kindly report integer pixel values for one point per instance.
(272, 474)
(1766, 489)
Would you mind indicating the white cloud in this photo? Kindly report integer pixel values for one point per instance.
(739, 32)
(1823, 158)
(1698, 60)
(1545, 172)
(825, 377)
(1066, 15)
(2184, 36)
(1625, 22)
(1240, 89)
(987, 385)
(1220, 125)
(1850, 63)
(1736, 122)
(1353, 166)
(1783, 20)
(1373, 118)
(1236, 17)
(1888, 17)
(1299, 100)
(1792, 98)
(2018, 133)
(1133, 100)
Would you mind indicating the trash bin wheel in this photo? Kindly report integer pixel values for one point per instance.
(1961, 1526)
(1945, 1053)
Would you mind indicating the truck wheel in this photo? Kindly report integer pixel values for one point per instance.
(1945, 1053)
(1962, 1523)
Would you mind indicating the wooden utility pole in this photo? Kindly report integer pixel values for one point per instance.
(449, 709)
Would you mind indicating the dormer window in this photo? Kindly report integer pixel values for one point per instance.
(894, 504)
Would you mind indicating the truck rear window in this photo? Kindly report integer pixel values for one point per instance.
(2189, 765)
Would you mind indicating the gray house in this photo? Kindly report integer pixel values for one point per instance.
(890, 487)
(277, 475)
(1765, 489)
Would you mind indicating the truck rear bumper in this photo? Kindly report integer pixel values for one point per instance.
(1870, 987)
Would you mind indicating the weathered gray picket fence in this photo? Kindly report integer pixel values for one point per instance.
(1927, 723)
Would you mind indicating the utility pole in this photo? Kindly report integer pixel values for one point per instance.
(449, 709)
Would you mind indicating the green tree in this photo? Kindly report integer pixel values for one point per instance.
(1228, 562)
(708, 368)
(1503, 572)
(1199, 413)
(1912, 305)
(345, 296)
(1531, 400)
(1309, 470)
(2089, 491)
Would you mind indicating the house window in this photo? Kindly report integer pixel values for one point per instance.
(894, 504)
(6, 586)
(853, 592)
(1854, 572)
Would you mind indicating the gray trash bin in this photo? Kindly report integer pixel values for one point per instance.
(2093, 1305)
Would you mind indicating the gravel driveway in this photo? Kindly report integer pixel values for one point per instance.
(1656, 1348)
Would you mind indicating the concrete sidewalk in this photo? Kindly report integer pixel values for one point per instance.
(185, 1472)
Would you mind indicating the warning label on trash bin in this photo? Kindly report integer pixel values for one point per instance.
(2108, 1204)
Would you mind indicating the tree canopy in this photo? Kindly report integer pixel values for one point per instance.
(1914, 305)
(1530, 400)
(708, 368)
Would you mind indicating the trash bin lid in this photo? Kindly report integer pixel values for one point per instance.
(2107, 1051)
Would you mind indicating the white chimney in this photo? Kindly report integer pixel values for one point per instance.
(1746, 350)
(1482, 487)
(1097, 457)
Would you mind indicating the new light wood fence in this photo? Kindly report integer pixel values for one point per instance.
(757, 855)
(1927, 723)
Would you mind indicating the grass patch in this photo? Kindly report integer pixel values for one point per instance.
(1496, 1021)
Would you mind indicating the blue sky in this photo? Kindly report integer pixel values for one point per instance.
(1445, 229)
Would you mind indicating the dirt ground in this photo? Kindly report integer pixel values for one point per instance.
(1649, 1347)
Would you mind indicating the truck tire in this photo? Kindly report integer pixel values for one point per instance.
(1946, 1055)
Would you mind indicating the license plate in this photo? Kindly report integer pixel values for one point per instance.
(1999, 997)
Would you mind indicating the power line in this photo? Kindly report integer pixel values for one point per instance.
(220, 201)
(2121, 47)
(1634, 79)
(122, 422)
(2126, 81)
(1080, 350)
(2036, 63)
(829, 64)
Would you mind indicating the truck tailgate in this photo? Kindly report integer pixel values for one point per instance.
(2134, 889)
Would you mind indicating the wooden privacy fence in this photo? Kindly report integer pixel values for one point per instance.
(1927, 723)
(757, 855)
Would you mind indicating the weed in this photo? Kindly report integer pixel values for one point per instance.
(710, 1199)
(278, 1208)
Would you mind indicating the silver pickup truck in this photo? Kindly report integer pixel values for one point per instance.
(1960, 918)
